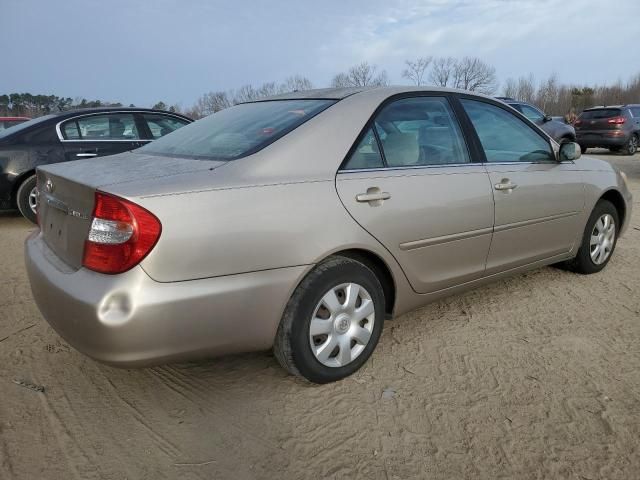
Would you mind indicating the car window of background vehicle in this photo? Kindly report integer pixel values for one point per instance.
(161, 125)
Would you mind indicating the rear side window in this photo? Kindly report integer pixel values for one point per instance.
(237, 131)
(600, 113)
(160, 125)
(505, 137)
(113, 126)
(418, 131)
(635, 111)
(366, 155)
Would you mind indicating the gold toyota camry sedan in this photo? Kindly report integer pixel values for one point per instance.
(302, 222)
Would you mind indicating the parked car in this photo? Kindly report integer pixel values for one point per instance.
(555, 128)
(68, 136)
(302, 222)
(7, 122)
(616, 128)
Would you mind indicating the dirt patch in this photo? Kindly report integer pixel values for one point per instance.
(537, 376)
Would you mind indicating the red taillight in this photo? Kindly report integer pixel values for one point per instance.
(121, 235)
(616, 120)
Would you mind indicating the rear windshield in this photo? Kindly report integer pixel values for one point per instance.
(23, 126)
(237, 131)
(600, 113)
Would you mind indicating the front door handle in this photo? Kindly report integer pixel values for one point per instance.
(505, 184)
(86, 154)
(374, 196)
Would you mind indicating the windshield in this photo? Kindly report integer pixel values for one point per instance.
(237, 131)
(23, 126)
(600, 113)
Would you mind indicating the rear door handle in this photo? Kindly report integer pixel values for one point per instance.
(86, 154)
(373, 196)
(505, 184)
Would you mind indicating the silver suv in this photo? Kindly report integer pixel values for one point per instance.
(558, 130)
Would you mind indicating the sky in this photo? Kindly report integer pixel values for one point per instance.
(144, 51)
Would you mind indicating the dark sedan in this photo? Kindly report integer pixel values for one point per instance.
(72, 135)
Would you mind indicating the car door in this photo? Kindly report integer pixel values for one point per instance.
(100, 134)
(537, 199)
(413, 184)
(635, 114)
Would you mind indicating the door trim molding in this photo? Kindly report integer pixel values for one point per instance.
(533, 221)
(427, 242)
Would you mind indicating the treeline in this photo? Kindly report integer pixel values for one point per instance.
(557, 99)
(468, 73)
(28, 105)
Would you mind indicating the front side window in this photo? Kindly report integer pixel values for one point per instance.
(237, 131)
(112, 126)
(420, 131)
(504, 137)
(531, 113)
(160, 125)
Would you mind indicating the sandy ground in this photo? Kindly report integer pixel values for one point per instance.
(534, 377)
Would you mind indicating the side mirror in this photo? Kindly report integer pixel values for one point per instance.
(547, 118)
(569, 151)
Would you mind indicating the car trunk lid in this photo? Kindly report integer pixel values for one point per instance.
(67, 194)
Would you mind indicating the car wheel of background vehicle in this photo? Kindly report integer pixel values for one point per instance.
(632, 145)
(332, 322)
(583, 149)
(26, 198)
(598, 241)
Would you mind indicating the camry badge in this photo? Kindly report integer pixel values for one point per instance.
(48, 186)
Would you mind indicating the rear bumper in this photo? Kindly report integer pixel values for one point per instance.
(131, 320)
(603, 139)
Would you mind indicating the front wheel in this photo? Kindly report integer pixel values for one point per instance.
(332, 322)
(598, 241)
(27, 199)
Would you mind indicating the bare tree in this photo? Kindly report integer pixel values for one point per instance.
(526, 89)
(510, 88)
(295, 83)
(416, 69)
(442, 70)
(361, 75)
(474, 75)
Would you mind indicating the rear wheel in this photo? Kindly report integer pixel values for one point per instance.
(632, 145)
(27, 198)
(332, 322)
(598, 241)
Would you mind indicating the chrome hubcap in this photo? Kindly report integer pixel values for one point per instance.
(341, 325)
(33, 199)
(633, 144)
(602, 239)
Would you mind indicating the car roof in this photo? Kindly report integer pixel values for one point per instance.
(83, 111)
(341, 93)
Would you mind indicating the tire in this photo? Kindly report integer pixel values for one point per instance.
(632, 145)
(584, 262)
(292, 346)
(583, 149)
(24, 198)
